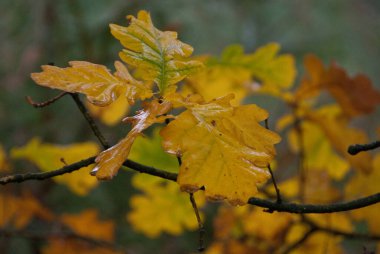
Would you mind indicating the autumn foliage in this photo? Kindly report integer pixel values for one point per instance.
(201, 127)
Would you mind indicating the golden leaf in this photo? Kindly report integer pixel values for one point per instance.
(93, 80)
(362, 185)
(336, 128)
(159, 55)
(4, 164)
(50, 157)
(109, 161)
(155, 203)
(223, 149)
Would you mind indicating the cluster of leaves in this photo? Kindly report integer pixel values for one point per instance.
(223, 150)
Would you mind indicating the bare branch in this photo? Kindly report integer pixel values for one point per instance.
(355, 149)
(45, 103)
(308, 208)
(83, 163)
(201, 229)
(90, 121)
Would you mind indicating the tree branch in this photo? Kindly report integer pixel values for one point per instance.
(280, 207)
(83, 163)
(90, 120)
(308, 208)
(355, 149)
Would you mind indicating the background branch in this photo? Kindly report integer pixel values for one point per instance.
(355, 149)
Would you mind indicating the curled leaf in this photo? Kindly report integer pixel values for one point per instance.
(223, 149)
(159, 55)
(109, 161)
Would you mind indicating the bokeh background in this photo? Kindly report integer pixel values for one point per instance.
(38, 32)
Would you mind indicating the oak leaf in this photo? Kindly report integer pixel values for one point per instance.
(88, 224)
(264, 64)
(109, 161)
(93, 80)
(157, 54)
(361, 185)
(223, 149)
(51, 156)
(20, 210)
(155, 203)
(355, 95)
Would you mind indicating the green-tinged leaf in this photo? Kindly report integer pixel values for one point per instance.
(159, 55)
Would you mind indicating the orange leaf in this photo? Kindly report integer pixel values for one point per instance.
(223, 149)
(87, 224)
(355, 95)
(110, 160)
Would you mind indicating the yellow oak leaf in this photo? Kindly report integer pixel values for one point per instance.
(216, 81)
(93, 80)
(109, 161)
(223, 149)
(159, 55)
(336, 128)
(88, 224)
(264, 64)
(318, 152)
(19, 211)
(167, 203)
(49, 157)
(355, 95)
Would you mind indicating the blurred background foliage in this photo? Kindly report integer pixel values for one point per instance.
(38, 32)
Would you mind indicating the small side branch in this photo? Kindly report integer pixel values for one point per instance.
(355, 149)
(201, 229)
(45, 175)
(18, 178)
(44, 103)
(278, 194)
(306, 208)
(90, 121)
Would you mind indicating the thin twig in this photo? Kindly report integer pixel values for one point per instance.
(351, 235)
(308, 208)
(300, 241)
(201, 229)
(278, 194)
(44, 103)
(355, 149)
(90, 121)
(301, 158)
